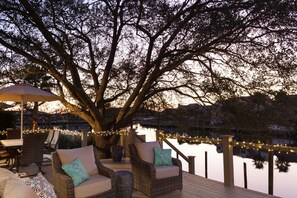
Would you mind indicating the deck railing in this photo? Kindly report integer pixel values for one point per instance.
(227, 143)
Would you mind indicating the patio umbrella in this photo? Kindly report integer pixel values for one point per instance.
(25, 93)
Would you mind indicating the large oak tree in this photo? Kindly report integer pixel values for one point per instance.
(124, 53)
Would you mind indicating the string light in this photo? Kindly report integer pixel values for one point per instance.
(247, 145)
(181, 138)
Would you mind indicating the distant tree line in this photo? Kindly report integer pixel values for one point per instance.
(253, 117)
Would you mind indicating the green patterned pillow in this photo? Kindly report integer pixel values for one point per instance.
(162, 157)
(76, 171)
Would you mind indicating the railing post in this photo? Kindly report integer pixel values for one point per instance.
(122, 138)
(84, 138)
(191, 164)
(244, 175)
(158, 137)
(206, 171)
(123, 141)
(133, 136)
(270, 168)
(228, 160)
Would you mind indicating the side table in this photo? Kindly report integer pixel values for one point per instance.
(124, 184)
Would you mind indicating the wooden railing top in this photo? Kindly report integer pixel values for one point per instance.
(242, 144)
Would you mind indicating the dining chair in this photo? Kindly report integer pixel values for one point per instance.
(52, 146)
(32, 150)
(13, 134)
(9, 155)
(49, 137)
(5, 157)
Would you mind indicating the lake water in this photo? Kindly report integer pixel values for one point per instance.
(257, 179)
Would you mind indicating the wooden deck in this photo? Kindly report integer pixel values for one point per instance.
(193, 185)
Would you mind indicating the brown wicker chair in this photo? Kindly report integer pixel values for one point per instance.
(32, 150)
(13, 134)
(5, 156)
(63, 183)
(144, 176)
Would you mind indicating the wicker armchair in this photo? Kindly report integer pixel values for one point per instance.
(144, 175)
(63, 183)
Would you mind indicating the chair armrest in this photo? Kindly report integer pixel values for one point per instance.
(177, 162)
(64, 185)
(107, 172)
(146, 169)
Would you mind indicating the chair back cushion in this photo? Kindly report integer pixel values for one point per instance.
(84, 154)
(145, 150)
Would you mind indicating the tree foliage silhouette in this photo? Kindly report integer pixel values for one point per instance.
(122, 53)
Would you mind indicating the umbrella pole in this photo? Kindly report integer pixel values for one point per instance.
(22, 118)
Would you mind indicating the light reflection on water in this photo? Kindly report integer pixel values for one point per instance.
(257, 179)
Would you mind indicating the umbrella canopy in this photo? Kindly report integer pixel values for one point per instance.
(25, 93)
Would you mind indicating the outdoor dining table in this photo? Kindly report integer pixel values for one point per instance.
(12, 145)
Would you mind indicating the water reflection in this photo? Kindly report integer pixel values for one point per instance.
(259, 160)
(281, 163)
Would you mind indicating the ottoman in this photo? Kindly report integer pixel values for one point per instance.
(124, 184)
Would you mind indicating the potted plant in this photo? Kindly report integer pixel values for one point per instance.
(117, 152)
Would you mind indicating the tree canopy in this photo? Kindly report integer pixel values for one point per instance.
(127, 53)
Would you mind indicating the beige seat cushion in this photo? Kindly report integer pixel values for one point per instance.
(145, 151)
(94, 185)
(166, 171)
(85, 155)
(17, 188)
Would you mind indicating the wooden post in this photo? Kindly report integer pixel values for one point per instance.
(191, 164)
(270, 167)
(270, 172)
(122, 138)
(133, 136)
(122, 142)
(84, 138)
(228, 160)
(244, 175)
(206, 164)
(157, 135)
(159, 138)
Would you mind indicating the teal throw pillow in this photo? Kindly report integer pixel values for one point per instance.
(162, 157)
(76, 171)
